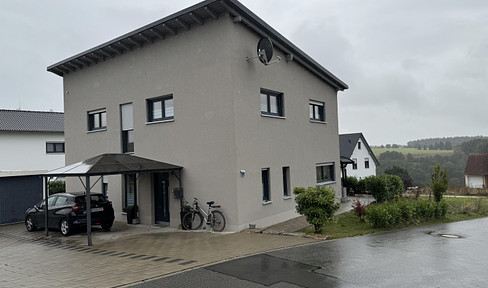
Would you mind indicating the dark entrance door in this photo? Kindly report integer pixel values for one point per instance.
(161, 196)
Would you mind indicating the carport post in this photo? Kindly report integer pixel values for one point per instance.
(46, 192)
(88, 211)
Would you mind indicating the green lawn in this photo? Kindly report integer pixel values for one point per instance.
(413, 151)
(349, 225)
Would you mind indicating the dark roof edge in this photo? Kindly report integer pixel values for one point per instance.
(250, 19)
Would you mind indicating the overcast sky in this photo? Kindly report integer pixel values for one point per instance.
(415, 68)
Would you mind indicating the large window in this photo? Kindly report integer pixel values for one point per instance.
(286, 182)
(271, 103)
(325, 172)
(317, 111)
(97, 120)
(54, 147)
(265, 182)
(127, 120)
(354, 164)
(160, 109)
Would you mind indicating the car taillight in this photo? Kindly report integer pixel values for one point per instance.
(75, 208)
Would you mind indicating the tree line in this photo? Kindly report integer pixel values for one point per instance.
(435, 143)
(418, 169)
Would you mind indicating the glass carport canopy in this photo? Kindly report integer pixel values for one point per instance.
(107, 164)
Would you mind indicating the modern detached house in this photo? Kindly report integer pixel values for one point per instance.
(355, 147)
(189, 90)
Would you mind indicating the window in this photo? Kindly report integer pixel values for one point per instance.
(355, 164)
(130, 190)
(359, 145)
(127, 120)
(317, 111)
(62, 201)
(366, 163)
(54, 147)
(271, 103)
(97, 120)
(265, 181)
(286, 182)
(160, 109)
(325, 173)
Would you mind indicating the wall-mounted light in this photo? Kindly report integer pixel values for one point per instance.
(243, 172)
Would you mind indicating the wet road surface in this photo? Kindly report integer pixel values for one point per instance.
(447, 255)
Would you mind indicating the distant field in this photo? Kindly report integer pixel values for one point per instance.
(413, 151)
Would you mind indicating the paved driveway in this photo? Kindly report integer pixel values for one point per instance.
(128, 254)
(431, 256)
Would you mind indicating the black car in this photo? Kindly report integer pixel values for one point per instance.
(67, 211)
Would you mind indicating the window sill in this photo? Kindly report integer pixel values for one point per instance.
(95, 131)
(287, 198)
(273, 116)
(160, 121)
(326, 183)
(267, 202)
(317, 121)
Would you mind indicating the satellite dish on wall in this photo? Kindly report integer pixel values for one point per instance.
(265, 52)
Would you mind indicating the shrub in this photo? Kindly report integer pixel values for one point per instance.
(356, 185)
(402, 211)
(359, 210)
(57, 187)
(317, 204)
(384, 187)
(439, 182)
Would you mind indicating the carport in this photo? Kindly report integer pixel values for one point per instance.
(101, 165)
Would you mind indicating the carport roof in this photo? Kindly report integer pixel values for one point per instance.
(110, 164)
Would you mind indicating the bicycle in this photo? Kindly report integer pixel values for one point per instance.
(193, 220)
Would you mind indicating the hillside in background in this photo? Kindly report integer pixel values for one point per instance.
(446, 142)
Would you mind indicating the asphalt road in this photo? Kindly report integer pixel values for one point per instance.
(447, 255)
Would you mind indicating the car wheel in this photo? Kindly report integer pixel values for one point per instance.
(29, 224)
(107, 226)
(65, 227)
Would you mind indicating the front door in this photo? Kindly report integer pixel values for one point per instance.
(161, 196)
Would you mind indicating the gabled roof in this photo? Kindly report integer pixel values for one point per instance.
(198, 14)
(477, 164)
(31, 121)
(347, 143)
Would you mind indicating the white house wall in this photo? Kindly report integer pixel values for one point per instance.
(217, 129)
(27, 151)
(360, 155)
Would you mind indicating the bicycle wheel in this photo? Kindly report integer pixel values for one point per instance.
(218, 221)
(192, 221)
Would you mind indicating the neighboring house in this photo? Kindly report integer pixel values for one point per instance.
(182, 91)
(31, 141)
(476, 171)
(355, 147)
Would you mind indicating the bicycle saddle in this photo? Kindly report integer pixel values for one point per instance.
(210, 203)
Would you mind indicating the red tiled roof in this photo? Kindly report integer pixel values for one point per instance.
(477, 165)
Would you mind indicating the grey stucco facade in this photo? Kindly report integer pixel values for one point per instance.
(218, 129)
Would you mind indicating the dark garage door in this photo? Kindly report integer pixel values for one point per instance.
(16, 195)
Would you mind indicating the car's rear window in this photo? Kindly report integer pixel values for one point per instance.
(93, 199)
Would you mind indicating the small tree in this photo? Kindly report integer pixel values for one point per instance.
(439, 183)
(317, 204)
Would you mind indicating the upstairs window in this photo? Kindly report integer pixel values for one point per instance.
(160, 109)
(325, 172)
(127, 119)
(317, 111)
(271, 103)
(359, 145)
(97, 120)
(366, 163)
(355, 164)
(265, 182)
(54, 147)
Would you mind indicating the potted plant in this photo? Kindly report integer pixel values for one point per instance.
(131, 211)
(185, 208)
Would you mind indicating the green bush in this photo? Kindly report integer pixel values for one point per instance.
(402, 211)
(384, 187)
(317, 204)
(57, 187)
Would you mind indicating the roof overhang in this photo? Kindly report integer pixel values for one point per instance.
(111, 164)
(181, 21)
